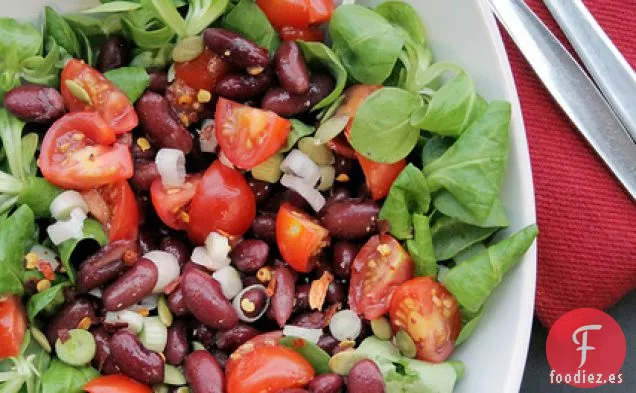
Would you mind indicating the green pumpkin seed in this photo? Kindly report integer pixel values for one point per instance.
(320, 154)
(40, 338)
(160, 388)
(188, 49)
(342, 362)
(381, 328)
(331, 129)
(173, 376)
(331, 110)
(327, 177)
(405, 344)
(165, 315)
(78, 91)
(268, 170)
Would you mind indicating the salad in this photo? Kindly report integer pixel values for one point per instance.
(243, 196)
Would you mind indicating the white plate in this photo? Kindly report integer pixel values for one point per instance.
(463, 31)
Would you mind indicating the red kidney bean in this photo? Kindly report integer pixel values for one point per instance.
(177, 248)
(342, 165)
(343, 255)
(69, 317)
(250, 255)
(203, 373)
(310, 320)
(113, 54)
(158, 80)
(148, 153)
(241, 87)
(33, 103)
(350, 219)
(326, 383)
(264, 227)
(235, 49)
(282, 302)
(145, 174)
(335, 293)
(105, 265)
(176, 303)
(365, 377)
(134, 360)
(103, 361)
(327, 342)
(294, 390)
(302, 297)
(202, 333)
(283, 103)
(291, 68)
(320, 86)
(146, 241)
(220, 357)
(177, 346)
(260, 189)
(249, 281)
(337, 194)
(205, 300)
(253, 301)
(229, 340)
(161, 123)
(131, 287)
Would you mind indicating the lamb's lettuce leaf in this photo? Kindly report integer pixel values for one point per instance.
(318, 55)
(16, 234)
(94, 237)
(421, 247)
(133, 81)
(451, 236)
(247, 19)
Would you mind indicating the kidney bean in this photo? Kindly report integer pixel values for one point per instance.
(281, 263)
(158, 80)
(145, 174)
(146, 241)
(205, 300)
(202, 333)
(260, 189)
(291, 69)
(235, 49)
(113, 54)
(203, 373)
(335, 293)
(148, 153)
(229, 340)
(134, 360)
(350, 219)
(282, 302)
(249, 281)
(365, 377)
(250, 255)
(69, 317)
(326, 383)
(177, 248)
(33, 103)
(343, 255)
(320, 86)
(161, 123)
(264, 227)
(283, 103)
(294, 390)
(327, 342)
(105, 265)
(241, 87)
(177, 346)
(220, 357)
(176, 303)
(310, 320)
(103, 361)
(253, 301)
(337, 194)
(131, 287)
(302, 297)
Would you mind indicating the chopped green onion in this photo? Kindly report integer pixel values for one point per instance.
(77, 350)
(269, 170)
(154, 335)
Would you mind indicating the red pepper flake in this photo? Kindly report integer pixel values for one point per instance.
(46, 270)
(318, 291)
(130, 257)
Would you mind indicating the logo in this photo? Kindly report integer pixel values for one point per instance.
(586, 348)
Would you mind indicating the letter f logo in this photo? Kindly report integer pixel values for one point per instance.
(584, 347)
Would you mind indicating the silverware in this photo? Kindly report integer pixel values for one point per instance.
(571, 87)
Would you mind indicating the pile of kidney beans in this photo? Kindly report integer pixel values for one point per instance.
(201, 312)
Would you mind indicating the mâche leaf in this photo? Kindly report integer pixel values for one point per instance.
(451, 236)
(16, 233)
(319, 55)
(133, 81)
(247, 19)
(93, 232)
(421, 247)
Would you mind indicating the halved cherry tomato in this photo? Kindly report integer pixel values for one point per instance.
(204, 72)
(76, 153)
(320, 11)
(12, 326)
(224, 202)
(429, 314)
(269, 339)
(299, 238)
(105, 98)
(173, 204)
(269, 369)
(116, 384)
(115, 206)
(376, 273)
(380, 176)
(281, 13)
(311, 33)
(248, 136)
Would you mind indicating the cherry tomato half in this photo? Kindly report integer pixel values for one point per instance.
(248, 136)
(380, 176)
(269, 369)
(429, 314)
(299, 238)
(311, 33)
(116, 384)
(77, 153)
(105, 98)
(294, 13)
(12, 326)
(173, 204)
(204, 72)
(115, 206)
(377, 271)
(320, 11)
(223, 202)
(269, 339)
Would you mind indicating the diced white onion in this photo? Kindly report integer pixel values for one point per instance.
(148, 303)
(96, 292)
(47, 255)
(230, 281)
(345, 325)
(311, 195)
(167, 268)
(300, 165)
(135, 321)
(207, 136)
(225, 161)
(218, 249)
(236, 303)
(64, 203)
(172, 73)
(200, 257)
(69, 229)
(171, 167)
(154, 335)
(311, 335)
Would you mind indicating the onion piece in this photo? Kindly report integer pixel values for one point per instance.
(218, 248)
(345, 325)
(236, 304)
(64, 203)
(134, 321)
(148, 303)
(230, 281)
(311, 335)
(200, 257)
(47, 255)
(167, 268)
(171, 167)
(311, 195)
(331, 129)
(207, 136)
(69, 229)
(299, 164)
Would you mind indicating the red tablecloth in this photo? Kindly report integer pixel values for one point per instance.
(587, 223)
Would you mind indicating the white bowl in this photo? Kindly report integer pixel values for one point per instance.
(463, 31)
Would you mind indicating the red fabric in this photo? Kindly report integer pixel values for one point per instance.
(587, 223)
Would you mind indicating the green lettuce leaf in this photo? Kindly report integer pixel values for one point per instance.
(93, 233)
(18, 41)
(133, 81)
(448, 205)
(38, 193)
(434, 148)
(247, 19)
(62, 378)
(16, 233)
(58, 28)
(421, 247)
(404, 16)
(45, 300)
(298, 130)
(451, 236)
(319, 55)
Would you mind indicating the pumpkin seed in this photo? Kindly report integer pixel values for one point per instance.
(405, 344)
(40, 338)
(188, 49)
(381, 328)
(331, 110)
(327, 177)
(342, 362)
(165, 315)
(160, 388)
(331, 129)
(173, 376)
(319, 153)
(78, 91)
